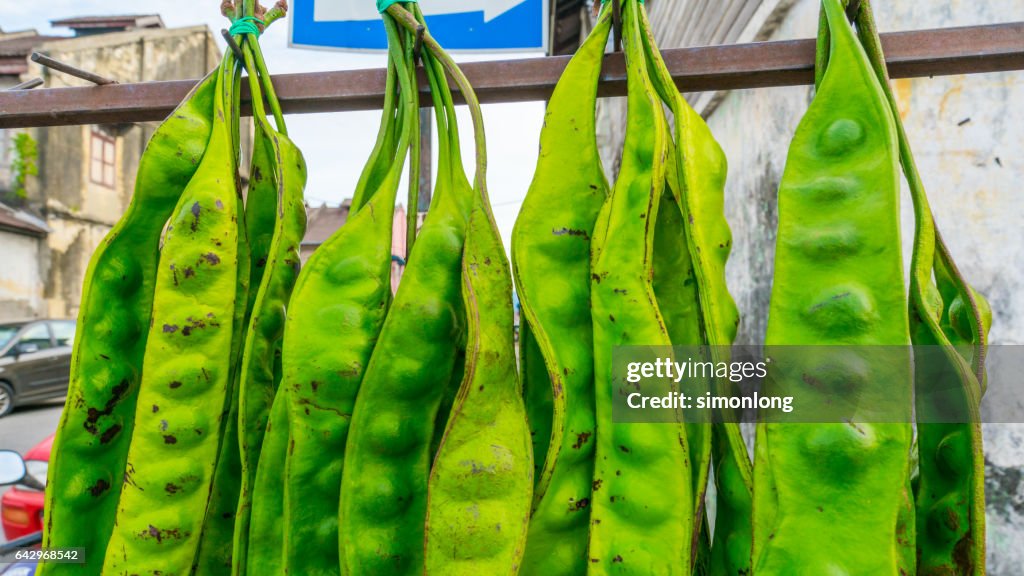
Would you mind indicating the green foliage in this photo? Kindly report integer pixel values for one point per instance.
(26, 152)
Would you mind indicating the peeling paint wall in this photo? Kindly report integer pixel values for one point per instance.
(21, 289)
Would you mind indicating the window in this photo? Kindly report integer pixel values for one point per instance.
(37, 334)
(63, 333)
(102, 156)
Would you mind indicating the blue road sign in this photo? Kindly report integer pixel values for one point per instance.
(462, 25)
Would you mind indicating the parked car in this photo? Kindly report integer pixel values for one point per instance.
(15, 470)
(21, 507)
(35, 361)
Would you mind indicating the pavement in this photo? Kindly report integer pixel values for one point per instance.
(27, 426)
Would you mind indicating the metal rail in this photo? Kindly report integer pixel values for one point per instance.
(945, 51)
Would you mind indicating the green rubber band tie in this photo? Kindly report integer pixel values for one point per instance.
(246, 25)
(382, 5)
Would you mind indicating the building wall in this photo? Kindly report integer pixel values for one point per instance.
(79, 211)
(966, 135)
(21, 289)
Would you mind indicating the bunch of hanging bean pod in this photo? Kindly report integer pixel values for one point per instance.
(148, 446)
(229, 414)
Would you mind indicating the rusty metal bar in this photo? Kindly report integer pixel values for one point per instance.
(44, 60)
(28, 84)
(945, 51)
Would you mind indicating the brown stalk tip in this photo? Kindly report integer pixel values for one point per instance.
(227, 8)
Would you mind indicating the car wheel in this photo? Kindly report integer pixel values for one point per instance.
(6, 399)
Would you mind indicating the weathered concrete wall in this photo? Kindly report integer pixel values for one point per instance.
(966, 133)
(21, 290)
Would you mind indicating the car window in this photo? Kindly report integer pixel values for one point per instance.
(6, 333)
(63, 333)
(37, 334)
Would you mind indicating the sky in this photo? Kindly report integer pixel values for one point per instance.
(335, 145)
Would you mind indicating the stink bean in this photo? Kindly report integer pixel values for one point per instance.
(551, 264)
(841, 174)
(90, 447)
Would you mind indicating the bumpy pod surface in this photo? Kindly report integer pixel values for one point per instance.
(187, 368)
(481, 485)
(551, 262)
(389, 448)
(642, 502)
(90, 448)
(337, 309)
(838, 281)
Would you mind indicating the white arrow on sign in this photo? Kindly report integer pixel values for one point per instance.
(347, 10)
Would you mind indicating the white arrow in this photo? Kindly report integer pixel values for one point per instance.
(347, 10)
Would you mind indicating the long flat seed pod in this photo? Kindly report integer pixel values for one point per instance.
(838, 281)
(551, 263)
(187, 367)
(337, 309)
(642, 503)
(388, 454)
(90, 448)
(951, 321)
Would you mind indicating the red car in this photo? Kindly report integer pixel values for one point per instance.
(22, 507)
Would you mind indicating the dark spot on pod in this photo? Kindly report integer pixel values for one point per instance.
(581, 504)
(261, 262)
(198, 431)
(618, 472)
(612, 499)
(170, 328)
(172, 488)
(257, 174)
(624, 449)
(110, 433)
(163, 425)
(314, 385)
(99, 487)
(481, 388)
(617, 559)
(170, 439)
(581, 439)
(611, 317)
(211, 258)
(196, 209)
(104, 356)
(220, 205)
(155, 408)
(226, 515)
(596, 485)
(571, 232)
(621, 291)
(175, 384)
(189, 272)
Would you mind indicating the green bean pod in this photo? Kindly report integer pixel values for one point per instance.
(481, 484)
(838, 218)
(551, 264)
(642, 507)
(278, 177)
(335, 316)
(945, 314)
(700, 172)
(187, 367)
(388, 454)
(90, 447)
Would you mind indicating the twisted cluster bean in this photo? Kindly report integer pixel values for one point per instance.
(838, 280)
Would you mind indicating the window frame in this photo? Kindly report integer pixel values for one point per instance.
(97, 135)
